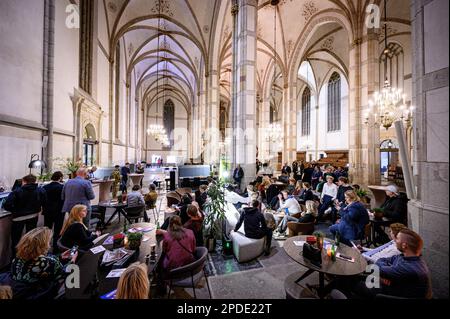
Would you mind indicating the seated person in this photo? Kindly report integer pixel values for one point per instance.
(306, 194)
(195, 223)
(178, 244)
(201, 195)
(255, 225)
(151, 197)
(284, 178)
(305, 217)
(134, 283)
(34, 265)
(135, 198)
(271, 194)
(328, 196)
(288, 204)
(291, 186)
(354, 218)
(298, 188)
(75, 233)
(405, 275)
(343, 186)
(387, 250)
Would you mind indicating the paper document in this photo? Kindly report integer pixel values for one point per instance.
(98, 249)
(99, 238)
(116, 273)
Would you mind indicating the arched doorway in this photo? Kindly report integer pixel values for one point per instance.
(89, 145)
(389, 158)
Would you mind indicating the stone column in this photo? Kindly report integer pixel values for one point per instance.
(429, 213)
(364, 154)
(244, 106)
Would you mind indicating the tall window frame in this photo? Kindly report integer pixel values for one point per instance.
(306, 112)
(334, 103)
(169, 119)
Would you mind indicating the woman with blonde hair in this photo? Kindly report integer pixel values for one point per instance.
(308, 216)
(33, 264)
(74, 232)
(354, 218)
(134, 283)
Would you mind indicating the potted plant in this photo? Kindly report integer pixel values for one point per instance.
(70, 166)
(134, 240)
(45, 177)
(215, 214)
(378, 213)
(362, 194)
(118, 240)
(319, 239)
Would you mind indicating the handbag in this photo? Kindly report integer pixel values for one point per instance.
(313, 254)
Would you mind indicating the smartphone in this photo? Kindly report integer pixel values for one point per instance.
(73, 251)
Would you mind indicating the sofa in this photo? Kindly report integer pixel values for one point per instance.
(244, 249)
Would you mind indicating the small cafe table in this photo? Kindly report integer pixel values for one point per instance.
(335, 268)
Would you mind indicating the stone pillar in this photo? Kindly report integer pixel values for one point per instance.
(244, 106)
(428, 214)
(364, 154)
(290, 122)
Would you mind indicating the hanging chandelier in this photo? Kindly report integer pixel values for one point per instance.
(389, 105)
(274, 132)
(157, 130)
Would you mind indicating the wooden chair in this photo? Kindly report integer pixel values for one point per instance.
(296, 229)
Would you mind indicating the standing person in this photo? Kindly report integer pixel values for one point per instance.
(255, 225)
(307, 173)
(115, 175)
(140, 170)
(301, 168)
(25, 204)
(124, 171)
(91, 172)
(316, 177)
(52, 210)
(328, 195)
(78, 191)
(295, 170)
(286, 169)
(238, 174)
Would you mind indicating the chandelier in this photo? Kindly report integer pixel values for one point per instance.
(389, 105)
(274, 133)
(157, 130)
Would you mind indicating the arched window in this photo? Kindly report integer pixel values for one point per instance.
(169, 119)
(334, 103)
(306, 112)
(273, 114)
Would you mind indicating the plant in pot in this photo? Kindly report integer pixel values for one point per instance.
(69, 165)
(378, 213)
(118, 240)
(215, 214)
(134, 240)
(362, 194)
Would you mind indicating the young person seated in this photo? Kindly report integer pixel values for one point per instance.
(178, 244)
(387, 250)
(288, 205)
(306, 193)
(134, 283)
(34, 265)
(195, 223)
(405, 275)
(271, 194)
(75, 233)
(343, 186)
(354, 217)
(201, 195)
(151, 197)
(306, 217)
(135, 198)
(328, 195)
(298, 189)
(255, 225)
(284, 178)
(291, 187)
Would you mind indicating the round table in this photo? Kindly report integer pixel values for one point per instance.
(334, 268)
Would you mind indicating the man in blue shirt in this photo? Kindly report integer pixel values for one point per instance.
(78, 191)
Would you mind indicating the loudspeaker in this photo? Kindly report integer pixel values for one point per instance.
(172, 180)
(44, 141)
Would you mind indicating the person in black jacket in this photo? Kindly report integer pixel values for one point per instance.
(307, 173)
(394, 208)
(201, 196)
(340, 197)
(25, 204)
(271, 195)
(286, 169)
(306, 194)
(238, 174)
(255, 225)
(52, 211)
(75, 233)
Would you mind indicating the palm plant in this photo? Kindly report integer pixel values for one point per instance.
(215, 213)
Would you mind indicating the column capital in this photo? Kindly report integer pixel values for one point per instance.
(234, 9)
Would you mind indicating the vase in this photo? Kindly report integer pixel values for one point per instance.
(134, 244)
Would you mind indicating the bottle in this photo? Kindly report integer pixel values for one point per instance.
(333, 253)
(338, 239)
(157, 225)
